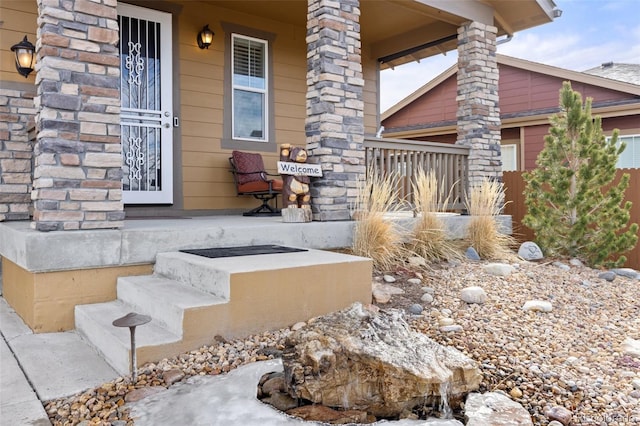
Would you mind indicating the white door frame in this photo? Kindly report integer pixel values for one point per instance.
(159, 119)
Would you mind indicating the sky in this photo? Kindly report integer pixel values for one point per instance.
(589, 33)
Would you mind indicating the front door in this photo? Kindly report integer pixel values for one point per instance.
(146, 117)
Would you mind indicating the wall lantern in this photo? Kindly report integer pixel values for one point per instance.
(24, 56)
(205, 37)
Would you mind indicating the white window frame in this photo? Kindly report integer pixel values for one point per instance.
(635, 146)
(264, 91)
(513, 156)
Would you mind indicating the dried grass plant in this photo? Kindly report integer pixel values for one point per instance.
(429, 238)
(484, 203)
(375, 236)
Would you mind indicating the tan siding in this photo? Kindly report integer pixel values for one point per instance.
(19, 19)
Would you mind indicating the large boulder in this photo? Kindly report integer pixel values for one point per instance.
(372, 361)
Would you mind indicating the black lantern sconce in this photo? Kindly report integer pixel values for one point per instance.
(205, 37)
(25, 55)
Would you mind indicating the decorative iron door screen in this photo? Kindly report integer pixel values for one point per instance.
(146, 115)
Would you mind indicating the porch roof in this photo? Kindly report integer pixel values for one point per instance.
(401, 31)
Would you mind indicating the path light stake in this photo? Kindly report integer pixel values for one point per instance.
(132, 320)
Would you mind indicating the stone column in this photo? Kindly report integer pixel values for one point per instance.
(478, 110)
(335, 118)
(77, 176)
(16, 150)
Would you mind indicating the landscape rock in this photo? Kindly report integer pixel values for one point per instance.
(416, 309)
(636, 384)
(414, 281)
(426, 298)
(494, 409)
(562, 266)
(576, 262)
(141, 393)
(631, 347)
(444, 321)
(298, 325)
(357, 359)
(451, 328)
(538, 306)
(389, 279)
(429, 290)
(554, 423)
(474, 294)
(559, 414)
(627, 273)
(515, 393)
(530, 251)
(382, 293)
(320, 413)
(172, 376)
(280, 400)
(380, 296)
(499, 269)
(607, 275)
(472, 254)
(417, 262)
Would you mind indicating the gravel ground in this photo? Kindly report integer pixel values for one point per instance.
(570, 357)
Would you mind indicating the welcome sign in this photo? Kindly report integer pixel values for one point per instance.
(299, 169)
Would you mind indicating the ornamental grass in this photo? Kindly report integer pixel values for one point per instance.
(375, 236)
(429, 238)
(484, 204)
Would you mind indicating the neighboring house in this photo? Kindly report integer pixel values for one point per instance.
(134, 115)
(529, 94)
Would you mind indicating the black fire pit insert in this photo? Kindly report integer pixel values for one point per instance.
(241, 251)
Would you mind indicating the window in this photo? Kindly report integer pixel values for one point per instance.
(249, 88)
(509, 157)
(630, 157)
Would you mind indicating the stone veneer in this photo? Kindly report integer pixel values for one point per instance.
(16, 150)
(334, 124)
(478, 111)
(77, 174)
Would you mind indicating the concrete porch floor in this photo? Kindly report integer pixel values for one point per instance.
(140, 240)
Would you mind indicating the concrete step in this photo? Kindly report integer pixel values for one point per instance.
(94, 323)
(196, 271)
(163, 299)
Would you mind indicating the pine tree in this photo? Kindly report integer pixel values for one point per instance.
(573, 206)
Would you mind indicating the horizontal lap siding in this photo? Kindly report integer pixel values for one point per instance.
(19, 19)
(514, 187)
(207, 182)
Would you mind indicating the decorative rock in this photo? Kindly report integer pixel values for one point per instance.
(298, 325)
(172, 376)
(636, 384)
(472, 254)
(416, 309)
(274, 385)
(417, 262)
(537, 305)
(414, 281)
(607, 276)
(330, 362)
(141, 393)
(530, 251)
(320, 413)
(554, 423)
(281, 401)
(427, 298)
(473, 294)
(576, 262)
(627, 272)
(561, 266)
(571, 360)
(560, 414)
(499, 269)
(494, 409)
(444, 321)
(389, 279)
(382, 292)
(631, 347)
(453, 328)
(428, 290)
(515, 393)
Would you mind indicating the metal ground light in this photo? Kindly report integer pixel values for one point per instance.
(132, 320)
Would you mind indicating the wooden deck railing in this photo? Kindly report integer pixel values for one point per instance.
(406, 157)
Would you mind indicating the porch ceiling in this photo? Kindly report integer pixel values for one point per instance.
(402, 31)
